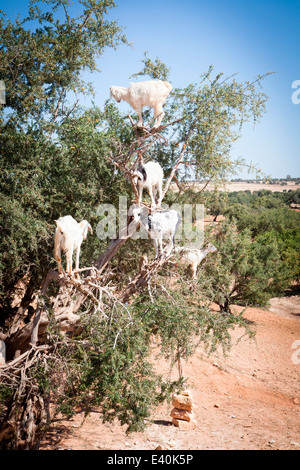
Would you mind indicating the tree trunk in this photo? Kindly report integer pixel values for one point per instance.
(114, 246)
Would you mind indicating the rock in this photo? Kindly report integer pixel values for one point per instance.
(295, 443)
(182, 414)
(184, 425)
(182, 402)
(172, 444)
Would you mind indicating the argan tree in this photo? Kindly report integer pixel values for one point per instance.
(86, 341)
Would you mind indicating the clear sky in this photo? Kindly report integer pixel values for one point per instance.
(235, 36)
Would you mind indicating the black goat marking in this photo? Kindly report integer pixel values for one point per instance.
(142, 170)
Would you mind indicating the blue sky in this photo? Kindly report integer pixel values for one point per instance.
(248, 38)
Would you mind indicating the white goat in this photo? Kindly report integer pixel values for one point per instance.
(193, 256)
(150, 176)
(69, 235)
(158, 224)
(151, 93)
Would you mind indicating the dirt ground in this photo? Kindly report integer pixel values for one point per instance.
(249, 400)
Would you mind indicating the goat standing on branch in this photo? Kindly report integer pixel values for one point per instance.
(158, 224)
(150, 176)
(69, 235)
(151, 93)
(193, 256)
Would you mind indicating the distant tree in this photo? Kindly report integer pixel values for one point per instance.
(217, 204)
(243, 271)
(293, 197)
(287, 241)
(262, 213)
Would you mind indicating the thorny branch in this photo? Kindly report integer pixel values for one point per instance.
(28, 413)
(123, 159)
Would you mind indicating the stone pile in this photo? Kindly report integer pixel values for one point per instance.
(182, 414)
